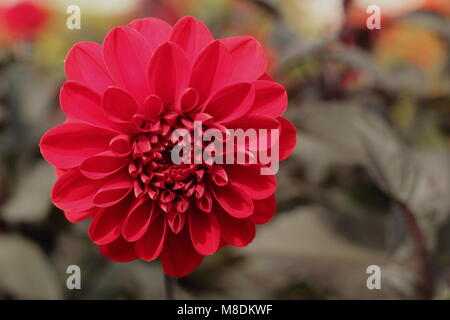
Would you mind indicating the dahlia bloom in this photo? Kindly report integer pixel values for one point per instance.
(22, 20)
(123, 100)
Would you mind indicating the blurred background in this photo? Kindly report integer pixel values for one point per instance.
(368, 184)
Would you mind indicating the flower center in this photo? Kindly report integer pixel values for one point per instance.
(173, 186)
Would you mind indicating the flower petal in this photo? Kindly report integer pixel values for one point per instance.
(82, 104)
(119, 105)
(234, 200)
(235, 232)
(191, 35)
(249, 60)
(179, 258)
(127, 54)
(69, 144)
(250, 180)
(114, 189)
(288, 138)
(107, 223)
(168, 72)
(74, 192)
(75, 217)
(270, 99)
(151, 244)
(138, 219)
(102, 165)
(231, 102)
(205, 232)
(119, 250)
(264, 210)
(84, 63)
(212, 70)
(154, 30)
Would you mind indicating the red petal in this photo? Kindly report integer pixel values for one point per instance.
(179, 258)
(250, 180)
(119, 105)
(75, 217)
(191, 35)
(113, 190)
(153, 107)
(234, 200)
(69, 144)
(84, 63)
(102, 165)
(205, 232)
(236, 232)
(127, 54)
(249, 60)
(231, 102)
(74, 192)
(80, 103)
(138, 220)
(169, 72)
(154, 30)
(212, 70)
(107, 224)
(176, 220)
(288, 138)
(119, 250)
(151, 244)
(264, 210)
(270, 99)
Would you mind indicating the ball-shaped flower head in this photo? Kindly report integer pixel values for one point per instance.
(22, 20)
(123, 101)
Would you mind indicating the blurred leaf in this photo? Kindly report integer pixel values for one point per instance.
(30, 199)
(25, 271)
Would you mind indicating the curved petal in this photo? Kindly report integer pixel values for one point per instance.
(168, 72)
(150, 245)
(84, 63)
(113, 190)
(249, 60)
(107, 223)
(191, 35)
(138, 219)
(102, 165)
(235, 232)
(250, 180)
(119, 250)
(262, 126)
(119, 105)
(176, 220)
(288, 138)
(80, 103)
(179, 258)
(69, 144)
(205, 232)
(212, 70)
(231, 102)
(74, 192)
(233, 200)
(264, 210)
(154, 30)
(270, 99)
(127, 54)
(75, 217)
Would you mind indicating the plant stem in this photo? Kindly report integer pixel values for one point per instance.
(169, 287)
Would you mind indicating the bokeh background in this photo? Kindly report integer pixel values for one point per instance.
(368, 184)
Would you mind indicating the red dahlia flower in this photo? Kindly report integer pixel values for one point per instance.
(22, 20)
(123, 100)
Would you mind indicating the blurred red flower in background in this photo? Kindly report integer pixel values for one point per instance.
(123, 100)
(22, 21)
